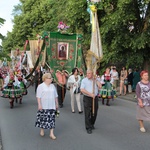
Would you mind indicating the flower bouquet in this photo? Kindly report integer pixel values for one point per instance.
(62, 27)
(57, 112)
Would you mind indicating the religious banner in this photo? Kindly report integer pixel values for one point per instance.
(64, 51)
(35, 48)
(17, 59)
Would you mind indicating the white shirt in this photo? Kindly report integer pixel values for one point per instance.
(47, 94)
(75, 84)
(87, 84)
(115, 75)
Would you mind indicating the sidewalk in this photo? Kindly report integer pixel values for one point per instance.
(128, 96)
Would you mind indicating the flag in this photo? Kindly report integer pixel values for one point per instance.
(95, 54)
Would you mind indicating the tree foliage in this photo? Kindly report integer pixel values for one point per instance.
(124, 26)
(125, 31)
(1, 23)
(2, 53)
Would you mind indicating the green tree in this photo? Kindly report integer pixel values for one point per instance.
(2, 52)
(125, 32)
(124, 26)
(1, 23)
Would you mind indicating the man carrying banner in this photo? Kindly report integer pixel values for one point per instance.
(93, 57)
(89, 96)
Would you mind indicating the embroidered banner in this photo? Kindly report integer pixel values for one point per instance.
(64, 51)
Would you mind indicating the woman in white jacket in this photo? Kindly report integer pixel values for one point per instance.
(74, 85)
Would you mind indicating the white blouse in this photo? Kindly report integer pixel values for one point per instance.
(72, 83)
(47, 94)
(6, 81)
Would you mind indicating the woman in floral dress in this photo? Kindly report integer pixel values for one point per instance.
(143, 100)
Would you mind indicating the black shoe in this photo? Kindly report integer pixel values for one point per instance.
(89, 131)
(60, 106)
(16, 100)
(20, 102)
(107, 104)
(80, 112)
(11, 105)
(103, 102)
(93, 127)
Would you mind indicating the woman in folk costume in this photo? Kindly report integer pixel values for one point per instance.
(107, 91)
(73, 84)
(23, 82)
(11, 88)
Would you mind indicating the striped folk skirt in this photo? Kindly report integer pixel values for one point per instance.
(107, 91)
(12, 92)
(23, 88)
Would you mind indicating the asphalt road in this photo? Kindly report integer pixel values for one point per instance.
(116, 127)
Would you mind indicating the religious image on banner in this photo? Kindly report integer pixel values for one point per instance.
(62, 50)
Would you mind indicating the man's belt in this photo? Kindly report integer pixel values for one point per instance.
(89, 96)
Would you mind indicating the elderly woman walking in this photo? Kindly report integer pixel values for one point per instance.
(47, 99)
(143, 98)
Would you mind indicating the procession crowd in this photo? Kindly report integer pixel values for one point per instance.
(93, 87)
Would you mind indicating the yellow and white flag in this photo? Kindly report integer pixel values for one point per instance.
(95, 54)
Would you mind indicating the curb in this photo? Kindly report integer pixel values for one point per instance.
(129, 97)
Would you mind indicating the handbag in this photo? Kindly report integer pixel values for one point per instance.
(77, 90)
(125, 81)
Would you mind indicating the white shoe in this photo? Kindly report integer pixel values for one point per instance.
(142, 129)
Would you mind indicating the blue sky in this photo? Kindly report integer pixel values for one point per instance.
(5, 13)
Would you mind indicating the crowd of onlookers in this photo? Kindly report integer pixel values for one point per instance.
(126, 80)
